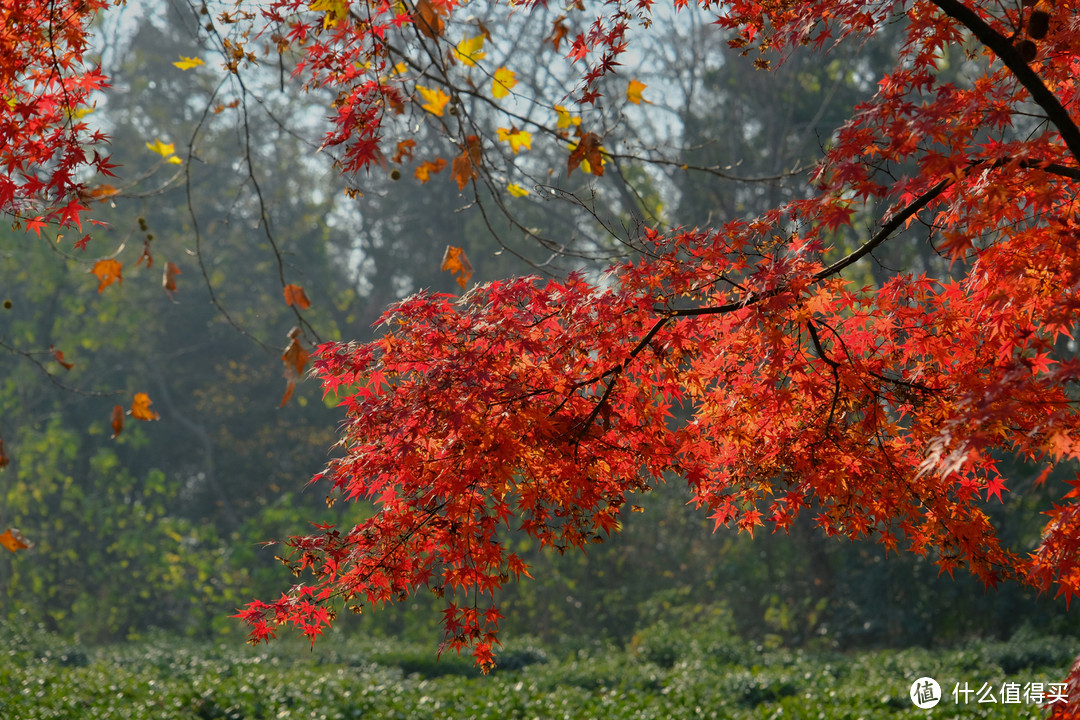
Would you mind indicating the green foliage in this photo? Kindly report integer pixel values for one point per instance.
(680, 632)
(109, 558)
(1026, 652)
(43, 676)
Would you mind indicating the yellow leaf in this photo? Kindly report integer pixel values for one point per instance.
(434, 100)
(516, 190)
(468, 50)
(108, 271)
(79, 112)
(162, 149)
(517, 138)
(401, 68)
(565, 120)
(173, 160)
(503, 82)
(140, 408)
(186, 63)
(633, 92)
(336, 11)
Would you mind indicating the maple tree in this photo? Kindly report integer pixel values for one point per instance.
(738, 358)
(741, 358)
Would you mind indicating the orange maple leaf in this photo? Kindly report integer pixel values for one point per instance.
(295, 359)
(108, 271)
(101, 193)
(455, 261)
(168, 278)
(466, 164)
(587, 151)
(14, 540)
(145, 256)
(427, 19)
(140, 408)
(634, 90)
(58, 356)
(117, 420)
(426, 169)
(295, 295)
(559, 29)
(404, 150)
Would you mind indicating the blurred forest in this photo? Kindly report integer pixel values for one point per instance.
(162, 528)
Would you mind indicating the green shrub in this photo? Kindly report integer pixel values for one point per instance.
(1030, 653)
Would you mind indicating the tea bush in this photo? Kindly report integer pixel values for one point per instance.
(43, 677)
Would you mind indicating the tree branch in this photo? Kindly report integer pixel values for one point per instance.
(1003, 48)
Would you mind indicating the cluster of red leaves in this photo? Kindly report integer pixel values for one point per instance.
(44, 145)
(344, 49)
(738, 359)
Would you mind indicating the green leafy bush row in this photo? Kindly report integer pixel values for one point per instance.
(689, 675)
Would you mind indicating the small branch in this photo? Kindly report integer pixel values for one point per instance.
(51, 377)
(833, 365)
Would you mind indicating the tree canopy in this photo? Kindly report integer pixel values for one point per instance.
(754, 358)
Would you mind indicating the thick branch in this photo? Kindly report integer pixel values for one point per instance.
(1003, 48)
